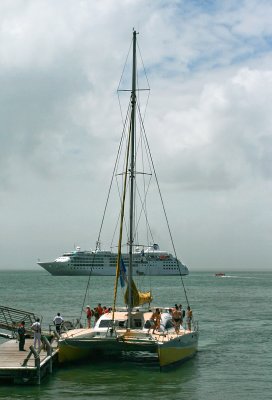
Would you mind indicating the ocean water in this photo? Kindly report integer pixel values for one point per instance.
(234, 360)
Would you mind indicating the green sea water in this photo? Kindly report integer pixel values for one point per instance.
(234, 360)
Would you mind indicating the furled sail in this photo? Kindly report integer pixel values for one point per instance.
(138, 298)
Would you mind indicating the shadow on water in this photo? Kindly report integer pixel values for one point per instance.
(121, 378)
(129, 378)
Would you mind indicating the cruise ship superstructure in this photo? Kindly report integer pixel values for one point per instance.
(148, 261)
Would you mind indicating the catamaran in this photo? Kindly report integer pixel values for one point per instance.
(129, 329)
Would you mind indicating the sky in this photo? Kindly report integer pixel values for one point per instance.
(209, 124)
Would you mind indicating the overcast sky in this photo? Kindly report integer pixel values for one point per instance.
(209, 124)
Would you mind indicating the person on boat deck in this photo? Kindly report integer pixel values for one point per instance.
(21, 336)
(99, 309)
(176, 314)
(96, 315)
(58, 321)
(182, 312)
(189, 317)
(36, 327)
(89, 315)
(156, 318)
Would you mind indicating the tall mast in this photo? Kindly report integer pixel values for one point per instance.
(132, 177)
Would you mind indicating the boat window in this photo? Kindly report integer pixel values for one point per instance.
(137, 323)
(105, 323)
(147, 324)
(169, 324)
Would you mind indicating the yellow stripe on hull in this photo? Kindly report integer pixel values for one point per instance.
(171, 355)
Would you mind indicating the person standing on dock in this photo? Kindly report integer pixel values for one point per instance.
(21, 336)
(36, 327)
(58, 321)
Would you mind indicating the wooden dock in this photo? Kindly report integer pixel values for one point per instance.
(26, 367)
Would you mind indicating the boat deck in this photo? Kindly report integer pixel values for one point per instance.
(158, 336)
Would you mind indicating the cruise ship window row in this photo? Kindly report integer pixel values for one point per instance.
(85, 263)
(87, 268)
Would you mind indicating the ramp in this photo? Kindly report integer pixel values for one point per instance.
(11, 317)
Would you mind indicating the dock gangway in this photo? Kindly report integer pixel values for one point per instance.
(10, 318)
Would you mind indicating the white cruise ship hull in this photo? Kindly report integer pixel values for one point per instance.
(103, 263)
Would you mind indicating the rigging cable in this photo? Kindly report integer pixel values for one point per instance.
(104, 213)
(164, 210)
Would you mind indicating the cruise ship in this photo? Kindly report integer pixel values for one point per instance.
(148, 261)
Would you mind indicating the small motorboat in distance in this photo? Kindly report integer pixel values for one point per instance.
(220, 274)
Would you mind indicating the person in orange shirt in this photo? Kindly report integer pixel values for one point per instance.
(99, 310)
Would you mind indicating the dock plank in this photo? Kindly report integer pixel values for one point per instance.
(12, 360)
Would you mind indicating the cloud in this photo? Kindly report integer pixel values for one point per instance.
(224, 138)
(208, 122)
